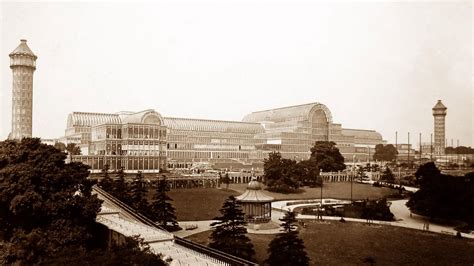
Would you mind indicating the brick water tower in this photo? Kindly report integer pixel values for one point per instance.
(23, 64)
(439, 114)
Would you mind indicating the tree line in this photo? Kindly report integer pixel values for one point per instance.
(134, 194)
(48, 213)
(443, 197)
(286, 175)
(459, 150)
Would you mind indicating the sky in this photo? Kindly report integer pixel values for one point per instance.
(376, 65)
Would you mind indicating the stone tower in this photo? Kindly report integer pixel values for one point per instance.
(439, 114)
(23, 64)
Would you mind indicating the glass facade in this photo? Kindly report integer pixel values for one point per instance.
(137, 145)
(148, 142)
(220, 142)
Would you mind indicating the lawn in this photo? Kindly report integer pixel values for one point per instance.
(349, 243)
(196, 204)
(340, 190)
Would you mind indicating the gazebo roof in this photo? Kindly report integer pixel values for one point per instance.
(254, 193)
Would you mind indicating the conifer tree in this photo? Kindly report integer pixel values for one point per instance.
(138, 194)
(106, 183)
(120, 188)
(287, 248)
(225, 180)
(162, 210)
(229, 233)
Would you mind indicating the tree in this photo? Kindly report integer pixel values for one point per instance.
(229, 232)
(287, 248)
(443, 197)
(387, 175)
(377, 210)
(272, 168)
(163, 211)
(309, 173)
(120, 189)
(386, 153)
(45, 204)
(225, 180)
(47, 210)
(60, 146)
(290, 174)
(327, 157)
(134, 251)
(106, 182)
(280, 174)
(138, 194)
(73, 149)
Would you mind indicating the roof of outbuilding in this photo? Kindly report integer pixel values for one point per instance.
(254, 193)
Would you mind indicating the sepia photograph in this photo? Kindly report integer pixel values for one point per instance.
(226, 132)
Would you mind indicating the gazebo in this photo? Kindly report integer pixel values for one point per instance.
(256, 204)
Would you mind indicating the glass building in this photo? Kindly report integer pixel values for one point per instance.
(146, 141)
(134, 141)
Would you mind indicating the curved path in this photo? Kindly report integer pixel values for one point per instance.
(403, 218)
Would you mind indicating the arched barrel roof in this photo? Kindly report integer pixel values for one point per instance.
(212, 125)
(291, 113)
(149, 116)
(362, 134)
(91, 119)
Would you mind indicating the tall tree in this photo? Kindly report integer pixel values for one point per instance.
(385, 153)
(443, 197)
(309, 173)
(229, 232)
(138, 193)
(161, 207)
(281, 175)
(106, 182)
(225, 180)
(120, 189)
(73, 149)
(60, 146)
(327, 157)
(45, 204)
(48, 213)
(287, 248)
(290, 174)
(272, 168)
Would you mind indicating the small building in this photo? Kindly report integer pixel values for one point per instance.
(256, 204)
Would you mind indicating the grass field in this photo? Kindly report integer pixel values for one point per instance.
(204, 203)
(340, 190)
(349, 243)
(199, 203)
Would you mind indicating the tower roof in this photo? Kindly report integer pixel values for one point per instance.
(23, 49)
(439, 106)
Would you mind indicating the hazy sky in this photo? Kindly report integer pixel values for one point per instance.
(375, 65)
